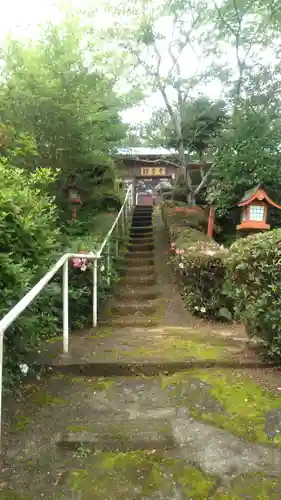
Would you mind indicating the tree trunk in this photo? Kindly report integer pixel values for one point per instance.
(191, 199)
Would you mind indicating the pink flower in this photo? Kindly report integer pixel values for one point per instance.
(76, 262)
(80, 263)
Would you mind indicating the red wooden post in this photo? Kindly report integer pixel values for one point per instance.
(74, 213)
(211, 221)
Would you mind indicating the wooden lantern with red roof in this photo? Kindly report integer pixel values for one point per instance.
(254, 213)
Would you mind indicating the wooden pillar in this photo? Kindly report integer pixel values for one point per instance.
(134, 191)
(211, 221)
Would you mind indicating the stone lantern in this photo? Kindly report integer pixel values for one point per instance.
(75, 200)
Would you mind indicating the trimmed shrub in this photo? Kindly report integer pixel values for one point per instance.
(201, 270)
(199, 266)
(183, 216)
(29, 243)
(254, 284)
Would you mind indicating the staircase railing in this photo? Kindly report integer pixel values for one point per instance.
(118, 229)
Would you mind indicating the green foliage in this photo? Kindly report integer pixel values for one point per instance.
(254, 284)
(69, 107)
(179, 217)
(29, 244)
(19, 148)
(198, 263)
(202, 121)
(249, 155)
(201, 272)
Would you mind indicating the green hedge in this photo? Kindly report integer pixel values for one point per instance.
(29, 244)
(254, 284)
(201, 270)
(199, 266)
(182, 216)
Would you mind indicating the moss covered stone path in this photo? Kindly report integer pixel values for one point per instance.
(177, 416)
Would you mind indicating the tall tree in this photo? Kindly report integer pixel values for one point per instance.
(53, 91)
(202, 122)
(250, 154)
(161, 37)
(247, 30)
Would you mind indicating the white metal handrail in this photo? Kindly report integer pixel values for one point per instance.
(15, 312)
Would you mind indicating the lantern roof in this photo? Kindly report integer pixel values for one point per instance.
(256, 193)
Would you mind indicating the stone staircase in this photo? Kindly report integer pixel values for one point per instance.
(137, 302)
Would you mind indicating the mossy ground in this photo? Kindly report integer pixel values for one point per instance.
(251, 486)
(245, 403)
(12, 495)
(43, 398)
(162, 343)
(175, 348)
(138, 475)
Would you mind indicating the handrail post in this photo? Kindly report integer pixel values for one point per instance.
(95, 293)
(117, 244)
(122, 223)
(108, 262)
(65, 307)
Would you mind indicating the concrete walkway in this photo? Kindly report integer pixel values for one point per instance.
(176, 415)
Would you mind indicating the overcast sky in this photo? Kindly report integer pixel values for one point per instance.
(22, 17)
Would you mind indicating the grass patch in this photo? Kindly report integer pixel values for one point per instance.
(244, 402)
(44, 398)
(138, 475)
(21, 422)
(257, 486)
(53, 340)
(77, 428)
(12, 495)
(175, 348)
(95, 384)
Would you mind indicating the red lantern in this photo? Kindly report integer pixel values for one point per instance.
(254, 204)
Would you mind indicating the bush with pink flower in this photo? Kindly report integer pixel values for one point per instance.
(199, 266)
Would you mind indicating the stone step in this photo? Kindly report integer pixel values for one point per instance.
(139, 262)
(138, 281)
(136, 308)
(138, 237)
(143, 214)
(141, 239)
(149, 293)
(129, 435)
(144, 208)
(139, 219)
(140, 234)
(142, 229)
(132, 321)
(139, 247)
(137, 270)
(140, 255)
(141, 223)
